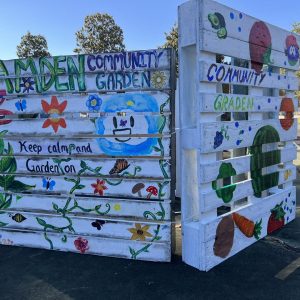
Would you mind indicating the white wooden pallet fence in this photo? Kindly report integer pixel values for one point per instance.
(85, 153)
(237, 130)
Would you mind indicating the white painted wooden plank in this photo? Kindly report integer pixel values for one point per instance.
(208, 171)
(255, 213)
(98, 185)
(101, 82)
(120, 126)
(124, 167)
(236, 134)
(88, 245)
(238, 48)
(114, 207)
(136, 146)
(209, 199)
(89, 63)
(240, 103)
(100, 225)
(222, 73)
(129, 103)
(247, 29)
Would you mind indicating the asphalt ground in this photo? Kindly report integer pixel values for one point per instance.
(269, 269)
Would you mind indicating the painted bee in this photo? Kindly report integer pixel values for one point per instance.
(18, 218)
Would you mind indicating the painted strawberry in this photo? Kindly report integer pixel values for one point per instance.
(276, 219)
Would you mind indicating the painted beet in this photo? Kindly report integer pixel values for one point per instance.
(260, 46)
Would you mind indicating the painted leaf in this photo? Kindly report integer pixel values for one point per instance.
(18, 186)
(2, 224)
(41, 222)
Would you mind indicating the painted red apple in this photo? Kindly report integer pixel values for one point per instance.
(260, 46)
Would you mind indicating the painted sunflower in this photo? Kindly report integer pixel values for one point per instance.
(140, 233)
(158, 79)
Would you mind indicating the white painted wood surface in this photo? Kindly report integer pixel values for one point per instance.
(83, 170)
(236, 130)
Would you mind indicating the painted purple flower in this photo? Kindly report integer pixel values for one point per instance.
(218, 140)
(27, 84)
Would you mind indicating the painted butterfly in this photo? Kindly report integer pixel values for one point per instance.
(48, 183)
(98, 224)
(21, 105)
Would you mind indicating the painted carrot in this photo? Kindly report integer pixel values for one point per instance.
(246, 226)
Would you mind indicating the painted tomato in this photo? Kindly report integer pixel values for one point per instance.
(3, 113)
(287, 106)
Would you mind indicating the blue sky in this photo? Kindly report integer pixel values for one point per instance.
(143, 21)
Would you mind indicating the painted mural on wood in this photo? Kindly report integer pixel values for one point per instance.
(237, 152)
(81, 73)
(98, 164)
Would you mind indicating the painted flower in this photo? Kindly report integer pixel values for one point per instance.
(218, 139)
(81, 245)
(117, 207)
(158, 79)
(139, 232)
(93, 103)
(54, 109)
(99, 187)
(27, 84)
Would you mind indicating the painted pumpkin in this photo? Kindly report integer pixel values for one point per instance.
(287, 106)
(259, 159)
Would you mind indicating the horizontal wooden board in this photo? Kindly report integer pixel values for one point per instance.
(80, 206)
(127, 103)
(113, 168)
(90, 63)
(236, 134)
(238, 48)
(257, 212)
(154, 251)
(209, 200)
(240, 103)
(243, 29)
(120, 126)
(99, 226)
(137, 146)
(223, 73)
(208, 171)
(79, 185)
(101, 82)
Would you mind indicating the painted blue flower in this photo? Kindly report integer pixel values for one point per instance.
(218, 140)
(27, 84)
(93, 103)
(21, 105)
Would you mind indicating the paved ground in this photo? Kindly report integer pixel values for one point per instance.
(41, 274)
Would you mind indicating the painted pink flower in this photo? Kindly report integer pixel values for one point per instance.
(81, 244)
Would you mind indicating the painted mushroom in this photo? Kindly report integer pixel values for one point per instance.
(137, 189)
(152, 190)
